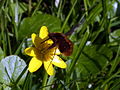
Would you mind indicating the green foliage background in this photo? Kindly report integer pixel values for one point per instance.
(95, 62)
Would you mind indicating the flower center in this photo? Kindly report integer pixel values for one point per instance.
(42, 53)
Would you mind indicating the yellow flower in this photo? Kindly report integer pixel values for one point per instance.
(42, 55)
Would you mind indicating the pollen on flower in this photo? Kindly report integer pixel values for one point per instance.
(42, 55)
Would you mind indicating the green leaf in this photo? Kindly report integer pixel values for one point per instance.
(32, 24)
(10, 69)
(93, 59)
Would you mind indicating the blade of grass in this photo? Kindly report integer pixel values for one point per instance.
(16, 20)
(111, 77)
(11, 80)
(2, 3)
(9, 44)
(19, 48)
(37, 7)
(86, 9)
(91, 17)
(80, 48)
(115, 62)
(105, 17)
(27, 82)
(22, 73)
(50, 82)
(29, 7)
(3, 33)
(68, 16)
(59, 9)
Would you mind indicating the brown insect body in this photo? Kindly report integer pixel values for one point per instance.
(64, 44)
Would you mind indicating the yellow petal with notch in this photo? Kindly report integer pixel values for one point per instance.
(34, 64)
(43, 32)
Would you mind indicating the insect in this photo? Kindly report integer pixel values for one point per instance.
(62, 42)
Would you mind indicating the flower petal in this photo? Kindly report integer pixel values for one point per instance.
(34, 64)
(57, 52)
(43, 32)
(31, 51)
(54, 51)
(48, 43)
(49, 67)
(57, 61)
(37, 41)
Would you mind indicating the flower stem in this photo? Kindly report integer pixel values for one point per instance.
(44, 80)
